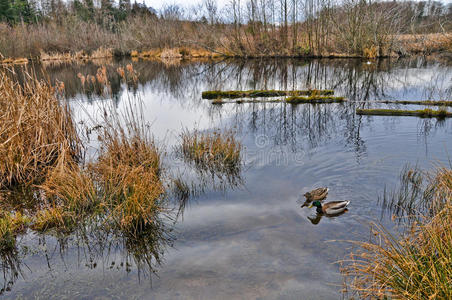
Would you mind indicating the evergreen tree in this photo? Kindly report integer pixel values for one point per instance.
(6, 11)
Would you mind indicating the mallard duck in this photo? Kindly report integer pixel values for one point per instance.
(330, 208)
(317, 194)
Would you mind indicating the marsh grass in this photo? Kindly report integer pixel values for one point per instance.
(416, 265)
(36, 128)
(43, 175)
(11, 224)
(71, 188)
(215, 152)
(52, 217)
(128, 170)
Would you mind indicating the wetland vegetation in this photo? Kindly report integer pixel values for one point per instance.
(417, 264)
(83, 30)
(102, 188)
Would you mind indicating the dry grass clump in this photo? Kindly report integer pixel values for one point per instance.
(35, 130)
(40, 150)
(415, 266)
(71, 188)
(212, 151)
(102, 53)
(128, 173)
(170, 54)
(425, 43)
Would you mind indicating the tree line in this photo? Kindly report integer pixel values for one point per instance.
(240, 28)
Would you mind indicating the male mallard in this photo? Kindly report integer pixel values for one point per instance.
(330, 208)
(317, 194)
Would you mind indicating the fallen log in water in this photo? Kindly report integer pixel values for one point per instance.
(290, 100)
(424, 113)
(262, 93)
(314, 99)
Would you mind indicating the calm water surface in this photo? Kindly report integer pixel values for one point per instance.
(250, 239)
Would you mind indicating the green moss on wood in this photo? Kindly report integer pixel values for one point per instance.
(262, 93)
(314, 99)
(424, 113)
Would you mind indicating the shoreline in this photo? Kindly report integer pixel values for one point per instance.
(187, 54)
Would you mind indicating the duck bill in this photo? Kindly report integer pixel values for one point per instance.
(310, 206)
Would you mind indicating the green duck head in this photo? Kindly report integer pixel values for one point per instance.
(316, 204)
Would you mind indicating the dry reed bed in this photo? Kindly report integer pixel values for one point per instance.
(40, 152)
(128, 172)
(416, 265)
(407, 44)
(36, 129)
(425, 43)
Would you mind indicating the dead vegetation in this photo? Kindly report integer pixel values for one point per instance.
(36, 130)
(417, 264)
(216, 152)
(44, 179)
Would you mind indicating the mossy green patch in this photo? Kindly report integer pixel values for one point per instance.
(262, 93)
(314, 99)
(424, 113)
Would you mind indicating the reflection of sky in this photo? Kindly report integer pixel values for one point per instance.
(433, 82)
(256, 241)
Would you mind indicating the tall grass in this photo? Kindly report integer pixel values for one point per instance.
(417, 265)
(128, 170)
(36, 129)
(40, 150)
(212, 151)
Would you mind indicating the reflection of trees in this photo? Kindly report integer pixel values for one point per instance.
(302, 126)
(96, 245)
(11, 267)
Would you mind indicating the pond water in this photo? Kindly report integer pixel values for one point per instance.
(248, 238)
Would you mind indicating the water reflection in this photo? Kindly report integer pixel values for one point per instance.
(11, 267)
(315, 220)
(254, 239)
(96, 245)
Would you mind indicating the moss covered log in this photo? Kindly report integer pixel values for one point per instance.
(424, 113)
(314, 99)
(262, 93)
